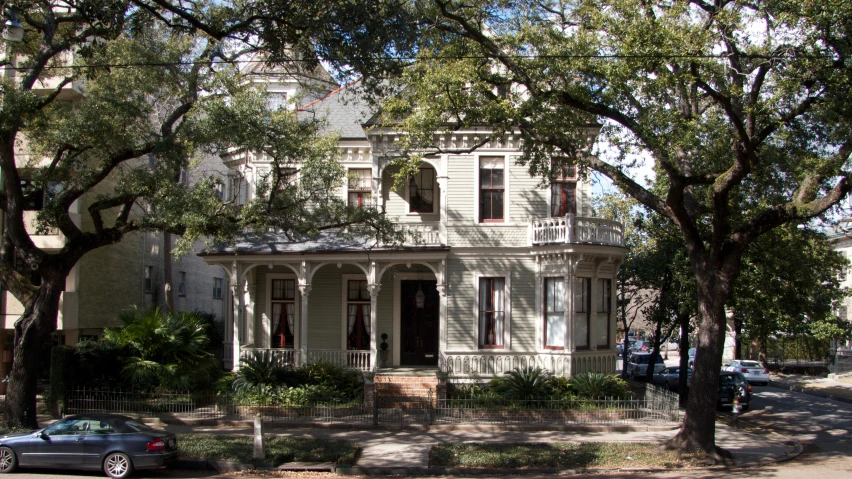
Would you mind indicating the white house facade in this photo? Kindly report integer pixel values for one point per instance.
(497, 272)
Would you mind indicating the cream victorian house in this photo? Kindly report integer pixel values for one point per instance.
(498, 271)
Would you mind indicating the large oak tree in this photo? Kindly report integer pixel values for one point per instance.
(110, 100)
(742, 106)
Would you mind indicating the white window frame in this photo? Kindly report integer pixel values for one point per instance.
(435, 193)
(266, 317)
(362, 190)
(507, 218)
(344, 301)
(507, 326)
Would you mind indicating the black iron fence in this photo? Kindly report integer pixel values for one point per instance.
(655, 406)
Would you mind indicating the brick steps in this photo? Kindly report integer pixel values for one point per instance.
(405, 386)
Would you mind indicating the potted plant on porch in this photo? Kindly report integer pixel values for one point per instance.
(383, 351)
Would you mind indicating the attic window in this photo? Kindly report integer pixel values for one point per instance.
(276, 100)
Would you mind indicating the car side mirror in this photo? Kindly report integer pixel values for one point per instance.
(43, 435)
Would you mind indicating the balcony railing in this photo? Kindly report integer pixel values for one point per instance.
(422, 234)
(570, 229)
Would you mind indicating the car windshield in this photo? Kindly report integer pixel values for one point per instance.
(751, 364)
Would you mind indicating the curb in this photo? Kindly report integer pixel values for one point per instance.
(809, 392)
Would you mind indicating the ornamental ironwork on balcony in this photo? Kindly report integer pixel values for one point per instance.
(570, 229)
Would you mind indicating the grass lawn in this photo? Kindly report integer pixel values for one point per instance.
(278, 449)
(591, 455)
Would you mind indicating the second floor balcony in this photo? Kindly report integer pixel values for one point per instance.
(570, 229)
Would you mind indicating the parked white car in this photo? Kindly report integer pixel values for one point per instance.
(754, 371)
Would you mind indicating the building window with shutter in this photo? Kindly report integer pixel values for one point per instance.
(491, 189)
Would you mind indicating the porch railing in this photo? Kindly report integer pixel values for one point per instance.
(422, 234)
(486, 364)
(576, 229)
(350, 359)
(291, 357)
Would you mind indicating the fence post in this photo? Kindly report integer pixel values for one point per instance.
(258, 438)
(429, 410)
(375, 406)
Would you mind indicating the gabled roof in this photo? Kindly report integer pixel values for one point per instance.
(343, 110)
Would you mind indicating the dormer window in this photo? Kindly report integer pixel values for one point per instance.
(276, 100)
(421, 191)
(563, 192)
(360, 187)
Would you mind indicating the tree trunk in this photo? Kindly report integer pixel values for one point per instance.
(168, 290)
(698, 433)
(31, 329)
(683, 360)
(738, 331)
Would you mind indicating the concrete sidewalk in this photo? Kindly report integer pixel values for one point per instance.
(388, 451)
(839, 389)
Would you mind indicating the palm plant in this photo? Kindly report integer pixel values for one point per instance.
(599, 385)
(168, 350)
(261, 370)
(528, 383)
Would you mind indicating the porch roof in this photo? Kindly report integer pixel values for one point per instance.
(323, 243)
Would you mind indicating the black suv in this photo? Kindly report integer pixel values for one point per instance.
(733, 385)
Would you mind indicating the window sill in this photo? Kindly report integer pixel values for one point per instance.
(491, 347)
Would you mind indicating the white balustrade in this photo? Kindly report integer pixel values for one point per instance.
(487, 364)
(426, 234)
(576, 229)
(351, 359)
(283, 356)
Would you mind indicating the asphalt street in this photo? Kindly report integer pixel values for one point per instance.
(823, 426)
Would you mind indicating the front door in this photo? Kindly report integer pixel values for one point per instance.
(419, 325)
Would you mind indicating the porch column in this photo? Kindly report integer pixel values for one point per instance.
(593, 312)
(568, 298)
(302, 333)
(374, 350)
(237, 294)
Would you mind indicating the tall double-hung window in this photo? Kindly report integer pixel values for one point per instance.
(421, 191)
(604, 312)
(360, 187)
(492, 312)
(283, 312)
(492, 189)
(357, 315)
(554, 313)
(563, 192)
(582, 312)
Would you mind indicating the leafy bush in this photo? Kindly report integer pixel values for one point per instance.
(262, 381)
(346, 382)
(596, 385)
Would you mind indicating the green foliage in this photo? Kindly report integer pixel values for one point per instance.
(595, 385)
(527, 383)
(262, 371)
(167, 350)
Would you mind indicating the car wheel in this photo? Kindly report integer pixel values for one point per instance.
(117, 465)
(8, 461)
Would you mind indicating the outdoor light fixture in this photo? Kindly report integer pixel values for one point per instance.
(420, 297)
(13, 31)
